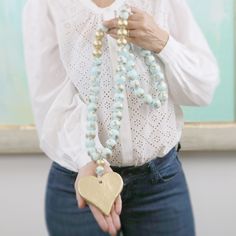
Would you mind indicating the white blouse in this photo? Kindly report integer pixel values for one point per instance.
(58, 37)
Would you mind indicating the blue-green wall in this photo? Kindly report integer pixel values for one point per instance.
(214, 16)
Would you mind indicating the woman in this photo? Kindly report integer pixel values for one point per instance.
(58, 41)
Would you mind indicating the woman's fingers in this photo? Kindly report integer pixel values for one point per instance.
(81, 201)
(99, 217)
(113, 23)
(115, 218)
(118, 205)
(111, 225)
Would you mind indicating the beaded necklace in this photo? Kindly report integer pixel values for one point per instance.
(112, 182)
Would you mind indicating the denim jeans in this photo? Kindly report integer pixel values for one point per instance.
(155, 201)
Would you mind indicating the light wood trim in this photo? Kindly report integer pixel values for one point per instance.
(209, 137)
(196, 137)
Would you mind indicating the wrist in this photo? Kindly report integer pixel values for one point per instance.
(163, 37)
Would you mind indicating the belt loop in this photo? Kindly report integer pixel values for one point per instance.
(178, 147)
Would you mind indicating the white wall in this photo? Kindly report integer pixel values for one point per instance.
(211, 178)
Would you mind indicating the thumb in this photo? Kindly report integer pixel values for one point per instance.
(81, 201)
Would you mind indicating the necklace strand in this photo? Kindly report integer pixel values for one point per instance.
(125, 70)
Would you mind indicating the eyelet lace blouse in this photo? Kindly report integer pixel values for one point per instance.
(58, 44)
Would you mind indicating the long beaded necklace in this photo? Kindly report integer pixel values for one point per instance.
(103, 190)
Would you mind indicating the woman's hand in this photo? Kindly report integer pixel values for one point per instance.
(143, 30)
(110, 223)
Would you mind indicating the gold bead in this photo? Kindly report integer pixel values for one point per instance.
(120, 22)
(124, 41)
(97, 53)
(125, 22)
(100, 162)
(97, 43)
(99, 34)
(119, 32)
(119, 40)
(125, 32)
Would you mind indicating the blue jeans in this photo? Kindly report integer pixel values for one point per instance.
(155, 201)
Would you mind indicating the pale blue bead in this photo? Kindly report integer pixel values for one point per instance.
(122, 59)
(123, 51)
(134, 83)
(121, 68)
(95, 71)
(92, 98)
(89, 143)
(163, 96)
(153, 69)
(162, 86)
(161, 76)
(148, 98)
(100, 170)
(118, 105)
(132, 73)
(106, 153)
(156, 103)
(90, 132)
(114, 132)
(119, 88)
(127, 46)
(145, 52)
(103, 28)
(157, 66)
(95, 155)
(130, 64)
(91, 128)
(91, 125)
(149, 59)
(95, 89)
(115, 123)
(92, 106)
(131, 56)
(95, 83)
(126, 55)
(97, 61)
(117, 114)
(91, 117)
(139, 92)
(91, 150)
(111, 142)
(119, 96)
(124, 15)
(120, 79)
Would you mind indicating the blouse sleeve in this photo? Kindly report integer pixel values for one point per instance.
(190, 67)
(59, 113)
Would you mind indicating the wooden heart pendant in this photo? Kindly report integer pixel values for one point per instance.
(101, 192)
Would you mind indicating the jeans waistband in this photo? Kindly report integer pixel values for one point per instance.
(145, 168)
(158, 161)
